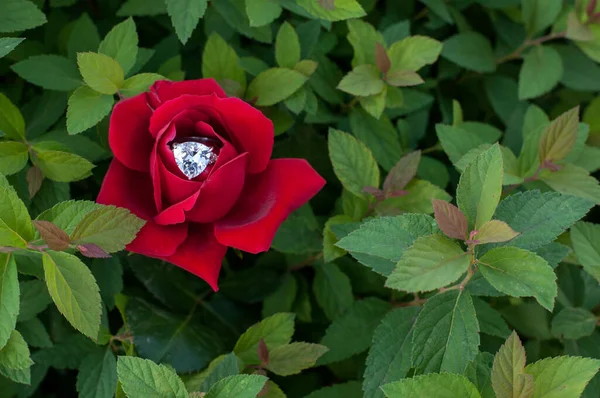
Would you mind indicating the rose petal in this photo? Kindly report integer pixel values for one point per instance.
(128, 134)
(201, 254)
(266, 201)
(220, 191)
(164, 90)
(132, 190)
(176, 213)
(246, 127)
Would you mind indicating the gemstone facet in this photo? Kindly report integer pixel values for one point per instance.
(192, 157)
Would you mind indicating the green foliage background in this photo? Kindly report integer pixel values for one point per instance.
(453, 250)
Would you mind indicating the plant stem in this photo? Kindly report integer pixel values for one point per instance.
(530, 43)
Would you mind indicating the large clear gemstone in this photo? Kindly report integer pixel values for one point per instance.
(192, 157)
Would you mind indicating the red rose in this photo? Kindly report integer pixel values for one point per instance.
(239, 199)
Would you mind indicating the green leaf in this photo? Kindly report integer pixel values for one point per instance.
(573, 180)
(185, 16)
(66, 215)
(454, 385)
(143, 378)
(262, 12)
(363, 37)
(350, 389)
(389, 356)
(541, 71)
(139, 83)
(74, 291)
(343, 9)
(490, 321)
(121, 44)
(109, 227)
(239, 386)
(83, 37)
(540, 14)
(86, 109)
(13, 157)
(13, 213)
(364, 80)
(15, 361)
(581, 73)
(18, 15)
(219, 368)
(353, 163)
(275, 331)
(562, 377)
(573, 323)
(282, 299)
(458, 143)
(404, 78)
(559, 138)
(299, 233)
(509, 379)
(430, 263)
(352, 332)
(62, 166)
(586, 244)
(494, 231)
(9, 297)
(221, 62)
(34, 296)
(291, 359)
(446, 336)
(234, 13)
(479, 371)
(287, 46)
(413, 53)
(51, 72)
(69, 353)
(274, 85)
(97, 377)
(520, 273)
(471, 50)
(480, 187)
(101, 72)
(332, 290)
(142, 8)
(11, 120)
(7, 44)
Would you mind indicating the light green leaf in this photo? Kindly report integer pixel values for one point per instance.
(287, 46)
(109, 227)
(62, 166)
(573, 180)
(101, 72)
(18, 15)
(13, 213)
(520, 273)
(239, 386)
(560, 137)
(541, 71)
(291, 359)
(363, 37)
(480, 187)
(219, 368)
(352, 332)
(404, 78)
(297, 102)
(343, 9)
(276, 330)
(12, 123)
(87, 108)
(139, 83)
(374, 105)
(432, 386)
(413, 53)
(262, 12)
(389, 356)
(332, 290)
(446, 336)
(143, 378)
(185, 15)
(51, 72)
(353, 163)
(7, 44)
(74, 291)
(362, 81)
(509, 379)
(97, 377)
(274, 85)
(586, 244)
(540, 14)
(15, 353)
(66, 215)
(430, 263)
(221, 62)
(9, 297)
(494, 231)
(562, 377)
(121, 44)
(471, 50)
(13, 157)
(573, 323)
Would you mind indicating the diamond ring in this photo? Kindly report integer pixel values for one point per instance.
(192, 157)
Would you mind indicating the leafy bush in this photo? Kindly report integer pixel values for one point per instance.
(452, 252)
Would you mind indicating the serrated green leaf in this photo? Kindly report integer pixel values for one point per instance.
(66, 215)
(74, 291)
(7, 44)
(471, 50)
(139, 83)
(454, 385)
(291, 359)
(430, 263)
(343, 9)
(34, 332)
(229, 365)
(389, 356)
(585, 238)
(68, 353)
(13, 213)
(446, 336)
(573, 180)
(61, 166)
(353, 163)
(458, 142)
(239, 386)
(573, 323)
(559, 138)
(352, 332)
(374, 105)
(262, 12)
(97, 377)
(234, 13)
(379, 136)
(143, 378)
(121, 44)
(494, 231)
(540, 14)
(364, 80)
(332, 290)
(413, 53)
(87, 108)
(11, 120)
(13, 157)
(34, 297)
(274, 85)
(84, 36)
(520, 273)
(562, 377)
(221, 62)
(490, 321)
(18, 15)
(363, 37)
(15, 353)
(287, 46)
(9, 297)
(479, 373)
(275, 331)
(509, 379)
(51, 72)
(101, 72)
(480, 187)
(541, 71)
(282, 299)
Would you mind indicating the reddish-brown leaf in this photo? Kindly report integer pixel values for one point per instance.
(34, 180)
(263, 352)
(376, 192)
(382, 60)
(450, 219)
(55, 238)
(401, 174)
(93, 251)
